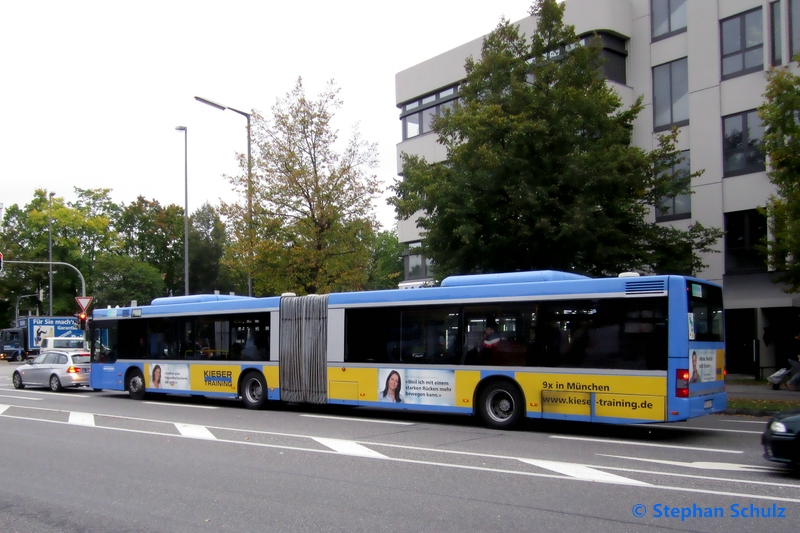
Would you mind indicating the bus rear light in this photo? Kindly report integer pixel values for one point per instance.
(73, 370)
(682, 383)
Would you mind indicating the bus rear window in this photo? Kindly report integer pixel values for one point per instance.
(705, 312)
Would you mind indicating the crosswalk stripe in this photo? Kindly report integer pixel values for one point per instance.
(349, 447)
(81, 419)
(583, 472)
(196, 432)
(3, 408)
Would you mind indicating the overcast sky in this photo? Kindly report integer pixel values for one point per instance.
(92, 90)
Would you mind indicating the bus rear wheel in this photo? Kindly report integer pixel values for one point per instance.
(501, 405)
(136, 385)
(253, 390)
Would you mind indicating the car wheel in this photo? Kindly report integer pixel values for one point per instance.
(55, 383)
(501, 405)
(136, 385)
(254, 390)
(17, 380)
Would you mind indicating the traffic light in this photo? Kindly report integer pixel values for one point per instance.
(82, 320)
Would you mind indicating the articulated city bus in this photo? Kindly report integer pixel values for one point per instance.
(542, 344)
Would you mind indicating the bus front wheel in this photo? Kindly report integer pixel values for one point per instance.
(254, 390)
(501, 405)
(136, 385)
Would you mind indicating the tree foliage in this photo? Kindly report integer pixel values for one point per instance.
(540, 171)
(312, 199)
(386, 262)
(780, 114)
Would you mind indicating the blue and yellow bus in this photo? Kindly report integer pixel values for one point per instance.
(541, 344)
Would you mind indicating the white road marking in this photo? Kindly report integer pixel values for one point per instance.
(195, 432)
(348, 447)
(650, 444)
(81, 419)
(3, 408)
(583, 472)
(20, 397)
(46, 392)
(721, 430)
(360, 420)
(183, 405)
(701, 465)
(705, 478)
(762, 422)
(433, 463)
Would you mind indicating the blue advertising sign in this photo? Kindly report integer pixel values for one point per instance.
(40, 327)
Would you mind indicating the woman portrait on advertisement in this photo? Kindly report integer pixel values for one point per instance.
(391, 392)
(156, 382)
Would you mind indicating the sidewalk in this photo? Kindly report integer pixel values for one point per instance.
(762, 392)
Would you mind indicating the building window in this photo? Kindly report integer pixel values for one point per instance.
(417, 116)
(680, 206)
(741, 144)
(417, 266)
(671, 94)
(668, 17)
(777, 51)
(614, 56)
(794, 26)
(742, 44)
(744, 230)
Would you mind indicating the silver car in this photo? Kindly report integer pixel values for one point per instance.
(55, 370)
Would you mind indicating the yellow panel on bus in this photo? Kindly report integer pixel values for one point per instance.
(272, 373)
(567, 403)
(631, 406)
(535, 385)
(365, 379)
(466, 381)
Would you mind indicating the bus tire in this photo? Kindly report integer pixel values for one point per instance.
(500, 405)
(17, 380)
(253, 390)
(135, 385)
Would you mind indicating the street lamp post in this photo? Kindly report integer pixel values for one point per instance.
(249, 221)
(185, 208)
(50, 245)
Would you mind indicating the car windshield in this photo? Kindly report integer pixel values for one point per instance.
(80, 359)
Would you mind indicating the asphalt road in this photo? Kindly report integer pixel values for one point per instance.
(97, 461)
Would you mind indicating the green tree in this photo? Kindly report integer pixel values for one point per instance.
(122, 278)
(386, 263)
(207, 238)
(780, 114)
(540, 170)
(27, 236)
(312, 202)
(153, 234)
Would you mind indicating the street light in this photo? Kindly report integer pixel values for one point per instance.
(185, 208)
(249, 221)
(50, 245)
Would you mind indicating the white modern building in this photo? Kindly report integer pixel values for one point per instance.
(699, 65)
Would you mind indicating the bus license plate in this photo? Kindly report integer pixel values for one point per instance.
(708, 404)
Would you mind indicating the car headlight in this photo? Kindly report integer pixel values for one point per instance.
(777, 427)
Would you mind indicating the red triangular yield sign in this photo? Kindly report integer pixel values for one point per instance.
(84, 301)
